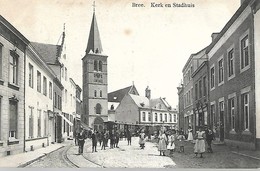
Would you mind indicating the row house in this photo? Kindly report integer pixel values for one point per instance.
(226, 89)
(38, 100)
(12, 62)
(232, 79)
(55, 57)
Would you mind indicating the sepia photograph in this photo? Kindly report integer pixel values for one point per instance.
(130, 84)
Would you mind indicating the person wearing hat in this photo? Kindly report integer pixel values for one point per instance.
(199, 147)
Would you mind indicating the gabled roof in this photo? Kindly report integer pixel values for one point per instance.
(118, 95)
(140, 101)
(94, 41)
(49, 52)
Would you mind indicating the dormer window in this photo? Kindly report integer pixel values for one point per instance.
(142, 104)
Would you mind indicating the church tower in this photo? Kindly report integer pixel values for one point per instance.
(95, 110)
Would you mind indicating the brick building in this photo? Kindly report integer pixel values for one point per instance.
(12, 58)
(232, 79)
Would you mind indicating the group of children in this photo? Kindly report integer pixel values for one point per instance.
(170, 139)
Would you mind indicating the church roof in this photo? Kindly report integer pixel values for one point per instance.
(94, 41)
(49, 52)
(118, 95)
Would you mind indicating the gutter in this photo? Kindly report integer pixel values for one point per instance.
(24, 121)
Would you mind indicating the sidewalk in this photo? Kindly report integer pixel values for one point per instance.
(23, 159)
(123, 157)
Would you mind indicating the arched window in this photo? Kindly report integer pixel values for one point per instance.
(100, 65)
(100, 93)
(95, 65)
(98, 108)
(95, 93)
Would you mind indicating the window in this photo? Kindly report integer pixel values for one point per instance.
(39, 122)
(30, 122)
(50, 90)
(95, 65)
(100, 66)
(232, 112)
(231, 66)
(244, 52)
(245, 105)
(204, 86)
(66, 74)
(160, 117)
(95, 93)
(196, 91)
(98, 108)
(170, 115)
(62, 72)
(13, 119)
(212, 112)
(38, 81)
(1, 58)
(156, 117)
(143, 116)
(45, 123)
(100, 93)
(165, 117)
(55, 99)
(175, 118)
(13, 70)
(44, 86)
(200, 89)
(212, 77)
(220, 71)
(0, 112)
(30, 75)
(66, 96)
(149, 116)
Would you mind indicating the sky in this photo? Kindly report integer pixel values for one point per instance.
(147, 46)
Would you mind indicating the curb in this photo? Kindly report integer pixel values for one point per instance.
(33, 160)
(245, 155)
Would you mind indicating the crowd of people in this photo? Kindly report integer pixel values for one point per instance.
(102, 138)
(172, 140)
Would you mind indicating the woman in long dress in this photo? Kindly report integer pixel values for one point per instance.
(190, 136)
(171, 145)
(199, 147)
(162, 143)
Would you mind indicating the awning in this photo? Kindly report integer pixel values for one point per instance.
(85, 126)
(70, 123)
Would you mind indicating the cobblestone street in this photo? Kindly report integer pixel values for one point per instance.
(133, 157)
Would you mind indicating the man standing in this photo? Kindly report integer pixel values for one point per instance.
(94, 141)
(81, 140)
(209, 137)
(129, 137)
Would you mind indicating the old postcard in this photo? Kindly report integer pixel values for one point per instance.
(130, 84)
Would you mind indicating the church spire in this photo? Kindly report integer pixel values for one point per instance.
(94, 42)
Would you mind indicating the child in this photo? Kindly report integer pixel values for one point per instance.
(171, 145)
(181, 139)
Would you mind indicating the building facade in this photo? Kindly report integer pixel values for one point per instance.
(12, 58)
(39, 100)
(95, 104)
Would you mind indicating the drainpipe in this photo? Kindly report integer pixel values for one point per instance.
(24, 100)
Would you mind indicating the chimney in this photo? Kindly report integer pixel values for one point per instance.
(214, 36)
(148, 93)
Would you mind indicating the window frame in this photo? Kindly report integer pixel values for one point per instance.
(39, 77)
(242, 37)
(221, 71)
(31, 75)
(212, 78)
(229, 75)
(14, 66)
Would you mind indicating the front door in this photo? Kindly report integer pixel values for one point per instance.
(98, 124)
(221, 121)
